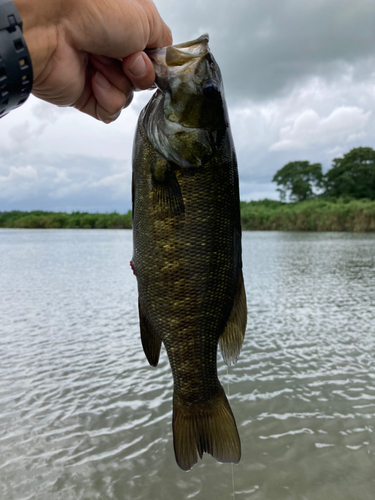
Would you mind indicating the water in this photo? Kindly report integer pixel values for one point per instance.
(83, 416)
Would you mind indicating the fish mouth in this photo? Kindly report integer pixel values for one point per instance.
(167, 61)
(179, 54)
(157, 55)
(195, 46)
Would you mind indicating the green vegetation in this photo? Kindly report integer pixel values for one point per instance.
(351, 176)
(76, 220)
(311, 215)
(299, 177)
(345, 202)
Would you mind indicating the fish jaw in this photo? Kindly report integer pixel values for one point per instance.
(190, 79)
(167, 60)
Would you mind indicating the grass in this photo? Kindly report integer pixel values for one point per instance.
(312, 215)
(59, 220)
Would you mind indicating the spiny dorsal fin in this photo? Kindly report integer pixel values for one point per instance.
(207, 428)
(150, 341)
(231, 340)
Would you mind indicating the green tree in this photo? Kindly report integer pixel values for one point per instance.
(299, 178)
(353, 175)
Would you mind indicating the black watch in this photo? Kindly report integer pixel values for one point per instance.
(16, 72)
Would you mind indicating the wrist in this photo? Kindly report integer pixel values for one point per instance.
(40, 19)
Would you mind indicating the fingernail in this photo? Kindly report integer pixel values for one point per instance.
(102, 81)
(138, 68)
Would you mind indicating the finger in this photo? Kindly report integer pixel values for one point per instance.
(109, 99)
(139, 70)
(112, 70)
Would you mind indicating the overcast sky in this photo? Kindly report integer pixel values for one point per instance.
(300, 85)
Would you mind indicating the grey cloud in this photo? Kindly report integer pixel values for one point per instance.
(65, 161)
(344, 123)
(317, 121)
(299, 78)
(72, 183)
(265, 46)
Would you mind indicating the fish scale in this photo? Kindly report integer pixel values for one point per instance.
(187, 256)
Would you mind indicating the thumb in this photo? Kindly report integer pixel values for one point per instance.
(139, 70)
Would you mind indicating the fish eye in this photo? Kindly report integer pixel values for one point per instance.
(211, 90)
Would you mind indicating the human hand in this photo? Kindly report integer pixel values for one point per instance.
(89, 53)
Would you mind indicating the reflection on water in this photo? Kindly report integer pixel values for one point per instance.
(83, 416)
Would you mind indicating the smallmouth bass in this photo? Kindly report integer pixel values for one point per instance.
(187, 245)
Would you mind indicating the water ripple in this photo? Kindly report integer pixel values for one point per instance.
(83, 416)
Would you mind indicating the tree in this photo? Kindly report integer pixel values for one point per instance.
(353, 175)
(299, 177)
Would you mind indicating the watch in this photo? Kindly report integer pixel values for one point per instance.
(16, 72)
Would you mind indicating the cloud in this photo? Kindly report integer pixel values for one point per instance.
(258, 191)
(344, 124)
(18, 182)
(300, 84)
(117, 185)
(53, 158)
(265, 47)
(78, 182)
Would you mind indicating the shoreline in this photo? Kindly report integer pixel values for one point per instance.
(315, 215)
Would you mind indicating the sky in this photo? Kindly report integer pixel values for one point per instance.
(299, 80)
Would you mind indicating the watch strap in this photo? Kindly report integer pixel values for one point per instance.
(16, 73)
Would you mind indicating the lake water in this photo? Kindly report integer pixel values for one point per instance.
(83, 415)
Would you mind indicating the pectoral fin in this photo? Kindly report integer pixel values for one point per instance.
(150, 341)
(166, 189)
(231, 340)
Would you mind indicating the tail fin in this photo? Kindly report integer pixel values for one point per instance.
(209, 428)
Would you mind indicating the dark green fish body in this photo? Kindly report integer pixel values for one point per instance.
(187, 245)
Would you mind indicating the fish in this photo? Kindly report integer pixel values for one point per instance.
(187, 245)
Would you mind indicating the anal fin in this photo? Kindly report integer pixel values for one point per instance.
(231, 339)
(150, 341)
